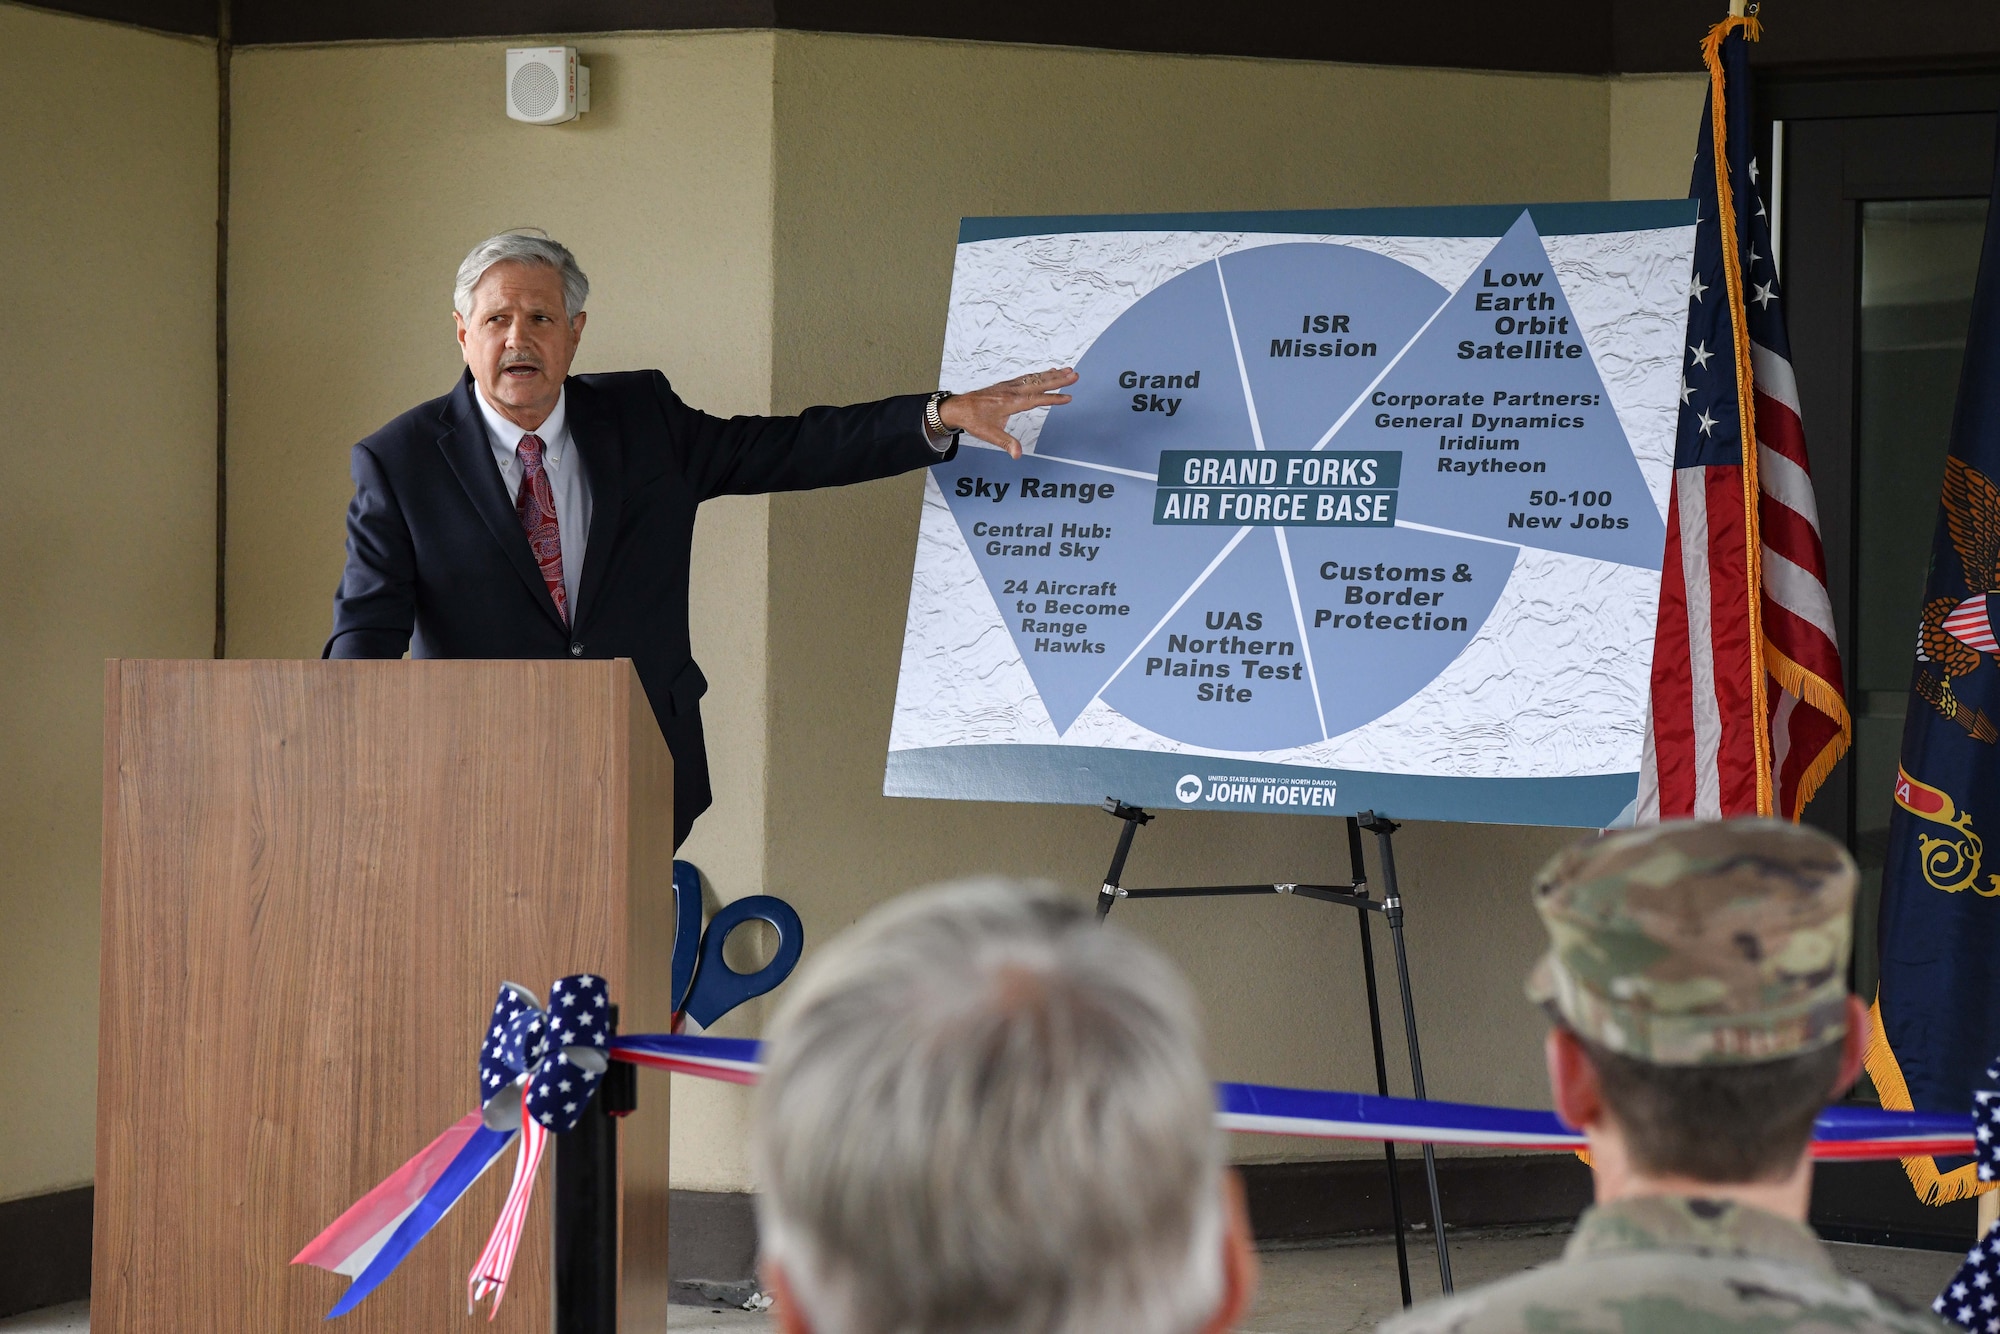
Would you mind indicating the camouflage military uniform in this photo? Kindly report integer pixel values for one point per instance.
(1669, 1265)
(1693, 943)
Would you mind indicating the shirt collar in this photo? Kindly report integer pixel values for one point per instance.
(506, 436)
(1720, 1228)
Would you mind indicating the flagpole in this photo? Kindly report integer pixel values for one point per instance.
(1741, 16)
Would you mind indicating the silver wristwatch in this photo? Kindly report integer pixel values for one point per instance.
(935, 423)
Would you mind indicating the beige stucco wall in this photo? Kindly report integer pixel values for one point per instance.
(769, 218)
(362, 175)
(883, 144)
(107, 208)
(1654, 121)
(812, 264)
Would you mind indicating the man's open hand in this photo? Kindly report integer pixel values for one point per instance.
(983, 413)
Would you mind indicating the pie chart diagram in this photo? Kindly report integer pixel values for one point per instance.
(1292, 486)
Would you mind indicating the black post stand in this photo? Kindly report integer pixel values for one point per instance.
(585, 1292)
(1358, 873)
(1355, 895)
(1392, 908)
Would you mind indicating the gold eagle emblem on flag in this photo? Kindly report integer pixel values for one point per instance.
(1957, 631)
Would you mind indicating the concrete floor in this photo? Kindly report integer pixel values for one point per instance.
(1352, 1287)
(71, 1319)
(1318, 1290)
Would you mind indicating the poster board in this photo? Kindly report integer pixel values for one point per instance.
(1351, 510)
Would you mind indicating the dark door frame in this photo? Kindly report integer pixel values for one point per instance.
(1830, 123)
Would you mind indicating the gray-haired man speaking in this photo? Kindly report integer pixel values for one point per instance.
(983, 1114)
(530, 513)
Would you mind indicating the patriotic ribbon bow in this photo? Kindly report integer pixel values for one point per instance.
(537, 1070)
(517, 1067)
(1972, 1299)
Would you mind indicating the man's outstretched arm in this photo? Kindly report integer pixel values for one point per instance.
(375, 607)
(828, 446)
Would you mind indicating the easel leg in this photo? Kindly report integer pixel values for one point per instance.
(1133, 817)
(1358, 877)
(1392, 905)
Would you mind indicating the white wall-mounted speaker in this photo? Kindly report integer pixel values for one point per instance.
(546, 85)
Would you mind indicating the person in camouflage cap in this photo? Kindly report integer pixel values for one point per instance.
(1697, 983)
(1699, 943)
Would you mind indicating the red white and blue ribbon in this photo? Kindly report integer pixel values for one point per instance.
(537, 1070)
(1840, 1132)
(368, 1241)
(371, 1239)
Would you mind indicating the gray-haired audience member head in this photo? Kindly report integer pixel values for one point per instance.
(982, 1113)
(529, 245)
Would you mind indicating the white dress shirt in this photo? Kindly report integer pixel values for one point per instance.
(940, 443)
(565, 470)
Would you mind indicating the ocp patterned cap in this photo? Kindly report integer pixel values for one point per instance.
(1700, 942)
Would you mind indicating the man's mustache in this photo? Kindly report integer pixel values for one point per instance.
(520, 359)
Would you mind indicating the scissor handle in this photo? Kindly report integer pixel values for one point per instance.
(718, 988)
(687, 930)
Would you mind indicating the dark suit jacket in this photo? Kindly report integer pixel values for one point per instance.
(437, 562)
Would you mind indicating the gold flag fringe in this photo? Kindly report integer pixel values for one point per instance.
(1814, 691)
(1933, 1187)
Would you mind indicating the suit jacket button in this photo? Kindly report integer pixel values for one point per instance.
(576, 650)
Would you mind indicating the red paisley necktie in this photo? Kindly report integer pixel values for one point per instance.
(536, 504)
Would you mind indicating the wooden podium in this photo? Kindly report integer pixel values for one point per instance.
(316, 875)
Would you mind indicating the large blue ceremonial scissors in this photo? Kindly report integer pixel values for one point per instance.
(705, 986)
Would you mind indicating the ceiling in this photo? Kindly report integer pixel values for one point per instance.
(1617, 36)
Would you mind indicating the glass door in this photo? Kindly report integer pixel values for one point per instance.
(1919, 259)
(1883, 216)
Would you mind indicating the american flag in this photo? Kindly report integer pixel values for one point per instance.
(1972, 1298)
(1747, 711)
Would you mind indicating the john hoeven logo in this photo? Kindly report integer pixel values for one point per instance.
(1236, 790)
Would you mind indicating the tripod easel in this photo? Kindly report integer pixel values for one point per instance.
(1355, 895)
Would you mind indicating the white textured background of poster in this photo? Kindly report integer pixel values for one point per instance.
(1546, 681)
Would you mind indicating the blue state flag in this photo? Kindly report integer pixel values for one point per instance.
(1937, 1023)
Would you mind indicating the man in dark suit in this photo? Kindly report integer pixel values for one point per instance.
(531, 514)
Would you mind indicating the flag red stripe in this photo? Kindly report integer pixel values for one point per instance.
(1792, 535)
(1780, 429)
(1673, 703)
(1801, 641)
(1810, 731)
(1729, 618)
